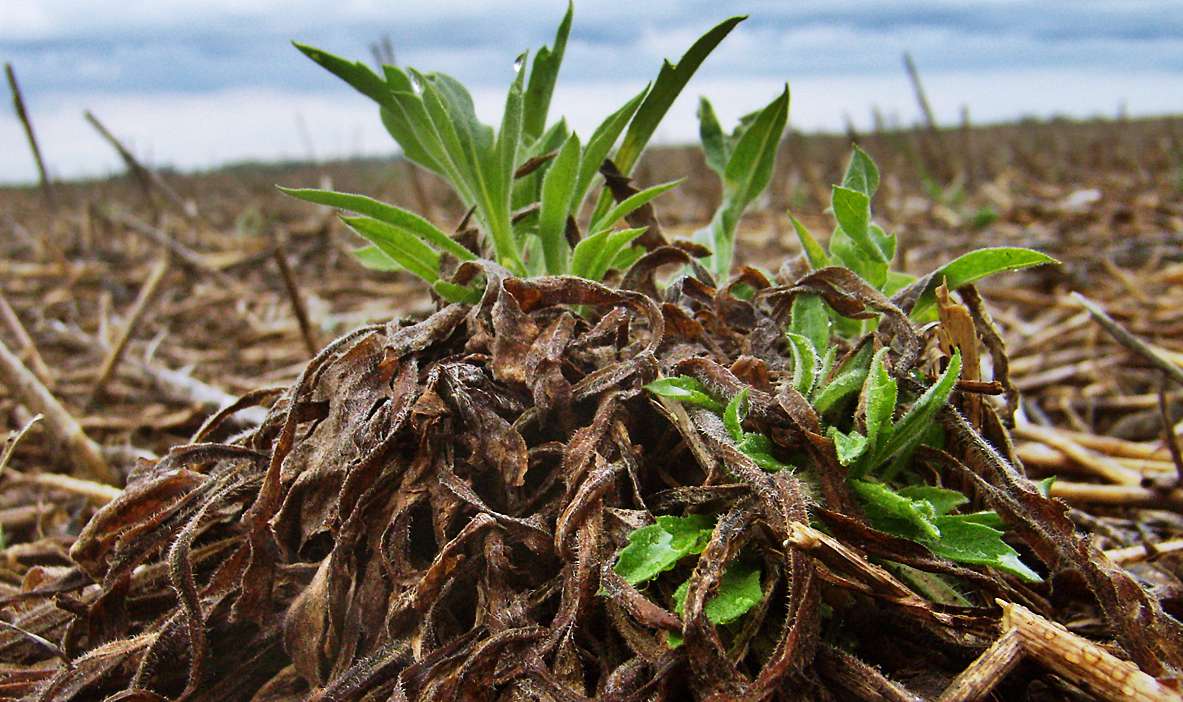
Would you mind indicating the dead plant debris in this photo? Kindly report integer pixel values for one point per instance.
(431, 507)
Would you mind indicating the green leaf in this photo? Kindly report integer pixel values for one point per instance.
(617, 249)
(848, 380)
(558, 189)
(896, 281)
(627, 257)
(456, 293)
(649, 553)
(395, 216)
(943, 500)
(527, 189)
(631, 204)
(749, 169)
(397, 79)
(509, 140)
(357, 74)
(594, 254)
(656, 548)
(983, 217)
(964, 538)
(755, 446)
(398, 125)
(690, 533)
(400, 245)
(804, 363)
(849, 447)
(601, 142)
(886, 242)
(480, 163)
(845, 251)
(1044, 487)
(587, 251)
(466, 142)
(861, 174)
(407, 120)
(543, 75)
(372, 257)
(685, 389)
(967, 541)
(827, 363)
(744, 291)
(975, 265)
(736, 412)
(714, 142)
(913, 425)
(852, 209)
(810, 317)
(933, 586)
(738, 591)
(893, 513)
(759, 448)
(879, 398)
(989, 518)
(509, 136)
(751, 161)
(454, 157)
(933, 436)
(551, 140)
(814, 253)
(671, 79)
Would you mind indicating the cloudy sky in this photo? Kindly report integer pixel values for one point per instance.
(195, 83)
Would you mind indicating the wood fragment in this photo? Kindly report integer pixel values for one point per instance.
(1131, 495)
(1097, 464)
(930, 120)
(1142, 552)
(1168, 431)
(134, 317)
(184, 254)
(1128, 340)
(1081, 661)
(1073, 657)
(1113, 446)
(85, 456)
(174, 385)
(26, 342)
(40, 641)
(293, 290)
(987, 670)
(13, 439)
(23, 516)
(147, 177)
(1040, 454)
(97, 494)
(18, 104)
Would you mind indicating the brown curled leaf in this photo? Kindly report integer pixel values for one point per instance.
(622, 188)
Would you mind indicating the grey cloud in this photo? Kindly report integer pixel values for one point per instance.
(195, 49)
(177, 65)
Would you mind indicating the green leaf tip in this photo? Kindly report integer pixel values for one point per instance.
(685, 389)
(974, 266)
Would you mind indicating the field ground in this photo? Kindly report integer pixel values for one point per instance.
(1106, 198)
